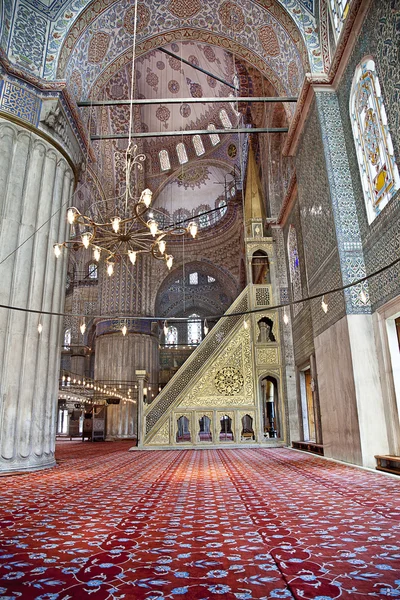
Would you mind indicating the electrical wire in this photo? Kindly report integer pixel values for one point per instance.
(214, 317)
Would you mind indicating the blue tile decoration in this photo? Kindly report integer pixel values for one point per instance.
(20, 102)
(380, 240)
(28, 39)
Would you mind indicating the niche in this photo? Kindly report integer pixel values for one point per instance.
(260, 268)
(205, 434)
(270, 407)
(183, 433)
(226, 433)
(265, 334)
(247, 428)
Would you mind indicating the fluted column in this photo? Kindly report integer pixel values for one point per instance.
(36, 182)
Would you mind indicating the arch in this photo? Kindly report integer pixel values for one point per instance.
(224, 278)
(265, 326)
(270, 406)
(69, 36)
(205, 432)
(183, 430)
(226, 431)
(260, 272)
(373, 143)
(247, 427)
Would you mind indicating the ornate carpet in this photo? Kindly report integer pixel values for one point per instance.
(208, 524)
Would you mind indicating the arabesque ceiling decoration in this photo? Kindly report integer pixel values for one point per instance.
(89, 35)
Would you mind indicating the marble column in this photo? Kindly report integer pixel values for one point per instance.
(141, 376)
(36, 182)
(116, 360)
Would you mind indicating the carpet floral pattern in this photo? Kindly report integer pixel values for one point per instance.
(196, 525)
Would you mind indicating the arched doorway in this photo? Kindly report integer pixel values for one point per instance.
(270, 408)
(260, 273)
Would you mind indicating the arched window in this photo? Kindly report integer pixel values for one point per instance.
(171, 337)
(194, 329)
(222, 207)
(225, 120)
(67, 338)
(214, 137)
(294, 268)
(194, 278)
(204, 220)
(378, 170)
(338, 10)
(198, 145)
(92, 271)
(165, 163)
(181, 152)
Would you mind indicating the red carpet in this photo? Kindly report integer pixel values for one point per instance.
(211, 524)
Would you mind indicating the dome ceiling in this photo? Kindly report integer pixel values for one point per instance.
(100, 43)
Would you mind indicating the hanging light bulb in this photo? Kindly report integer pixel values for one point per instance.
(192, 228)
(71, 216)
(57, 250)
(363, 297)
(124, 330)
(153, 226)
(205, 327)
(40, 327)
(146, 197)
(132, 256)
(324, 305)
(86, 239)
(82, 327)
(162, 246)
(165, 327)
(169, 261)
(285, 317)
(96, 253)
(115, 223)
(110, 269)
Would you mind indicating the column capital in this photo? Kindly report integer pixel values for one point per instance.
(141, 375)
(45, 108)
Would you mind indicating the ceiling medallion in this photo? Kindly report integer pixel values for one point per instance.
(229, 381)
(130, 230)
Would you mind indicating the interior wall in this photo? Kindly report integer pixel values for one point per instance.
(381, 241)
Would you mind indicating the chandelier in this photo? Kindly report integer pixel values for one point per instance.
(130, 231)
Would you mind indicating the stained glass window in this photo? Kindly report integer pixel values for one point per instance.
(67, 337)
(214, 137)
(294, 268)
(171, 338)
(378, 169)
(210, 279)
(194, 278)
(198, 145)
(222, 208)
(204, 220)
(165, 163)
(225, 120)
(339, 10)
(194, 329)
(93, 271)
(181, 152)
